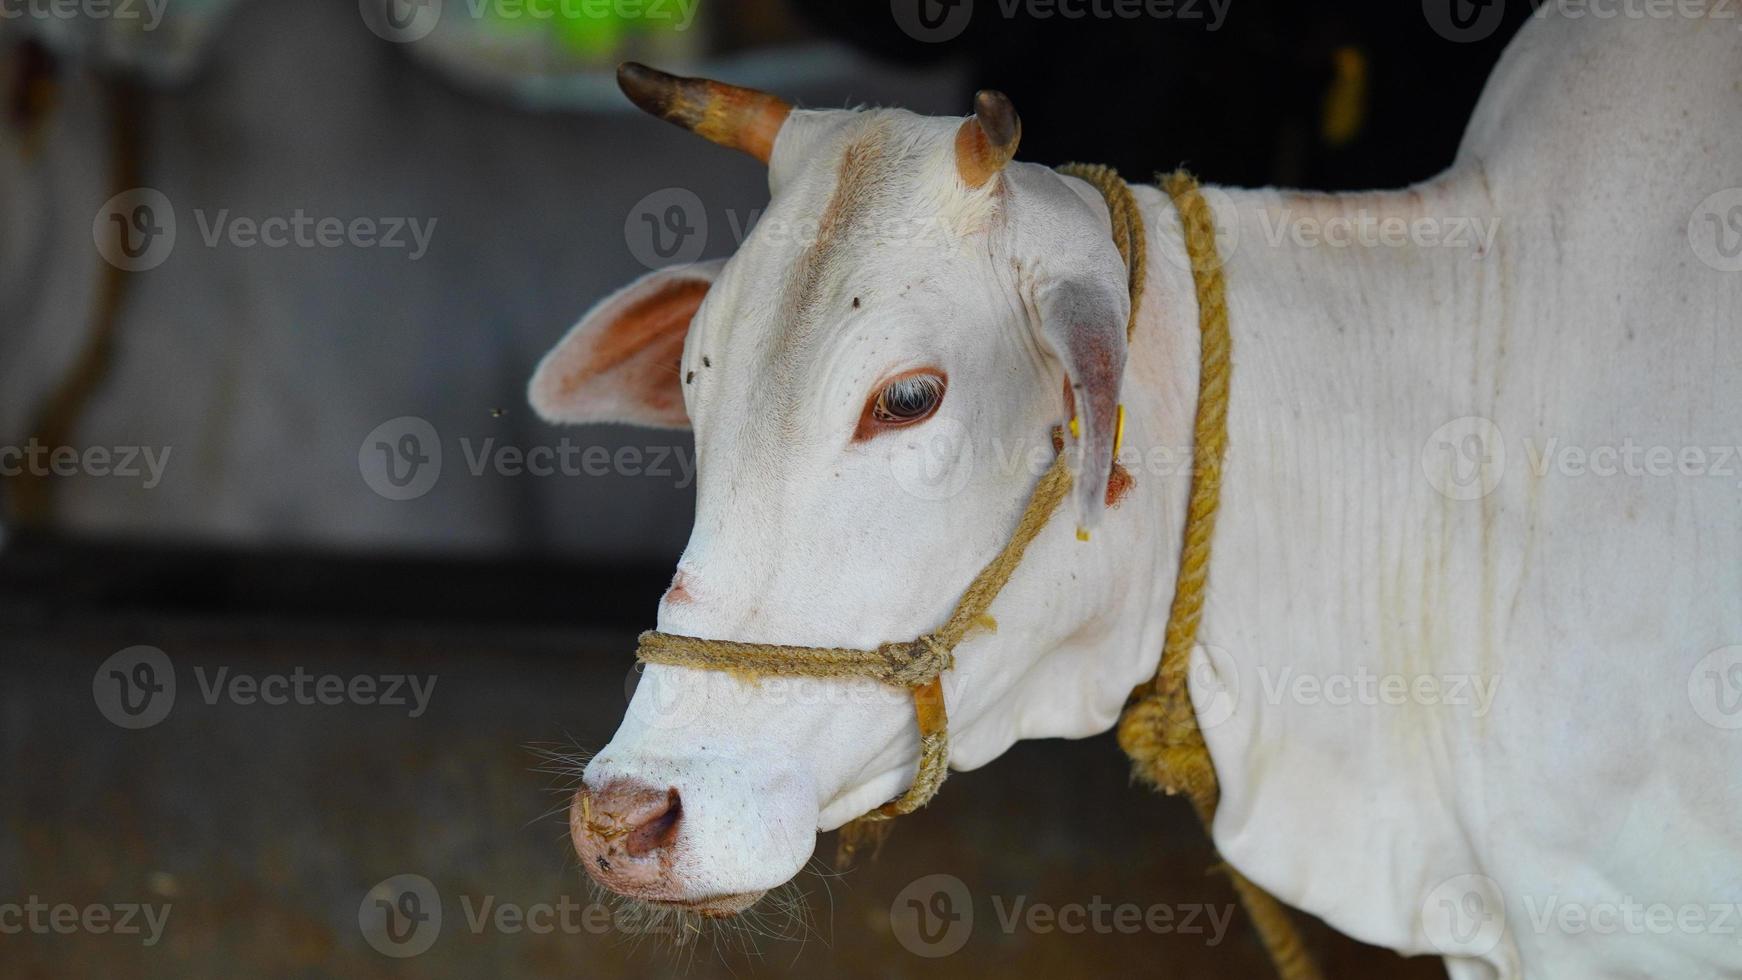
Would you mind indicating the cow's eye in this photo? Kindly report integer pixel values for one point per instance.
(908, 399)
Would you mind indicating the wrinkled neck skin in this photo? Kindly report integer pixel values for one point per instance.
(1341, 358)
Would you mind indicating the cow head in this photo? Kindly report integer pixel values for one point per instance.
(873, 381)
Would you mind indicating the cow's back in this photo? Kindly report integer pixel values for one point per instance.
(1611, 152)
(1593, 593)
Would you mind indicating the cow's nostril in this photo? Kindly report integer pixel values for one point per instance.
(659, 830)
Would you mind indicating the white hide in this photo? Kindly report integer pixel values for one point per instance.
(1583, 602)
(1573, 607)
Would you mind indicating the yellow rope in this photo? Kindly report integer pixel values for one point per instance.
(905, 664)
(1159, 729)
(914, 664)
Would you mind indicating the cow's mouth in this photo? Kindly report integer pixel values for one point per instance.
(715, 906)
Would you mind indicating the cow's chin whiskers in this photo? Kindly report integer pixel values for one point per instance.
(733, 924)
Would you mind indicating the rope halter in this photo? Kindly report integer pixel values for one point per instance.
(918, 664)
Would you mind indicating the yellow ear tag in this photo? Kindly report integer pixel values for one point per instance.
(1077, 433)
(1118, 430)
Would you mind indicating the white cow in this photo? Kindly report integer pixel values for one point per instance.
(1468, 667)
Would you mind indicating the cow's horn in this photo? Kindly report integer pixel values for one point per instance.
(988, 138)
(741, 118)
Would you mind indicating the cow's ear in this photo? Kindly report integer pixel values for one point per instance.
(1083, 320)
(621, 363)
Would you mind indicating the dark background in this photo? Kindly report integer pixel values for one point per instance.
(266, 826)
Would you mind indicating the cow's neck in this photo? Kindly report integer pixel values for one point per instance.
(1329, 573)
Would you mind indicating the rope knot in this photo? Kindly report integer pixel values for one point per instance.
(915, 662)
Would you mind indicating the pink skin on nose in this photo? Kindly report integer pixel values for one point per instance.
(626, 834)
(679, 591)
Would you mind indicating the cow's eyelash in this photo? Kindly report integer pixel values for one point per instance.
(903, 400)
(908, 399)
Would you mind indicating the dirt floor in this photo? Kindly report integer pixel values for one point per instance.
(268, 831)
